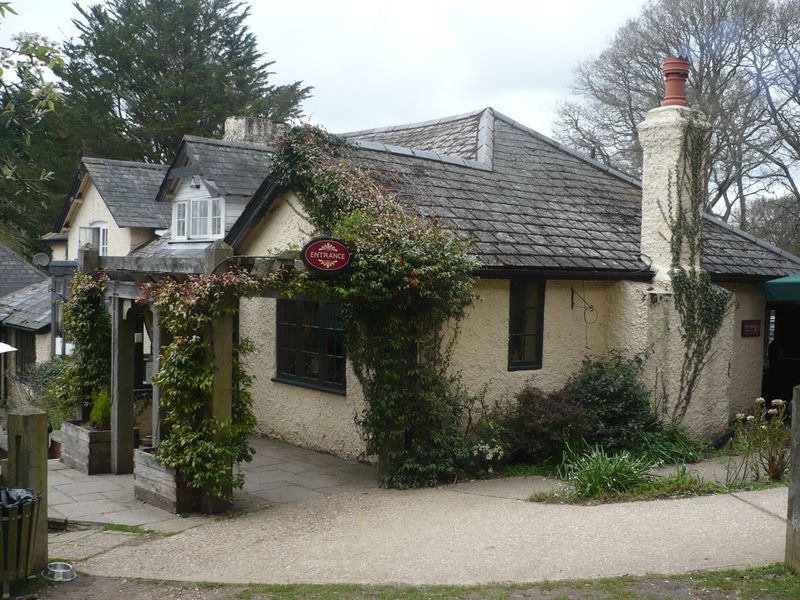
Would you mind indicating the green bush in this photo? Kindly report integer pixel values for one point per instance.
(100, 417)
(669, 444)
(485, 449)
(609, 389)
(594, 473)
(41, 388)
(539, 424)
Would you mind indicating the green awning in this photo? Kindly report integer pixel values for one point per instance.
(785, 289)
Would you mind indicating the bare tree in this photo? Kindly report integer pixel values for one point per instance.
(776, 65)
(776, 220)
(617, 88)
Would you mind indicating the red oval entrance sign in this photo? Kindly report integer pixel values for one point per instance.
(326, 255)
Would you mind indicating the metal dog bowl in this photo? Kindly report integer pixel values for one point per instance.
(59, 571)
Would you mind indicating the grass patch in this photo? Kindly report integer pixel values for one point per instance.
(29, 586)
(127, 529)
(682, 484)
(772, 581)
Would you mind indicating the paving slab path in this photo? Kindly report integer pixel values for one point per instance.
(459, 535)
(279, 473)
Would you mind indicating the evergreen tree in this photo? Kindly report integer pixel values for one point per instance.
(143, 73)
(27, 99)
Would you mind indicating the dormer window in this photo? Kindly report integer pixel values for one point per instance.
(96, 235)
(198, 219)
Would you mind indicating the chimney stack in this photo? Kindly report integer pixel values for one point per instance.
(664, 167)
(676, 71)
(253, 130)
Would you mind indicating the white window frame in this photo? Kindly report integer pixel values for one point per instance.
(210, 226)
(95, 234)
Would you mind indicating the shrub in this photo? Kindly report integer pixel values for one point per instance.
(40, 388)
(594, 473)
(100, 417)
(485, 449)
(540, 423)
(610, 390)
(762, 440)
(669, 444)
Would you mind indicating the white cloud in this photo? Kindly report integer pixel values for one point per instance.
(381, 63)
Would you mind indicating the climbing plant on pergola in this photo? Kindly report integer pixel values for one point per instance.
(409, 284)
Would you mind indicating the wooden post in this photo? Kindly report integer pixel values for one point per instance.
(221, 357)
(793, 517)
(27, 464)
(122, 417)
(88, 258)
(156, 350)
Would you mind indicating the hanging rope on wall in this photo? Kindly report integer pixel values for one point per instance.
(589, 313)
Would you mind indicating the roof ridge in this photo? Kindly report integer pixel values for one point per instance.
(125, 163)
(226, 143)
(418, 124)
(423, 154)
(548, 140)
(749, 236)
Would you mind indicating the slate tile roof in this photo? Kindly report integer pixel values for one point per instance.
(539, 207)
(16, 272)
(529, 203)
(129, 190)
(162, 247)
(27, 308)
(453, 136)
(728, 251)
(232, 168)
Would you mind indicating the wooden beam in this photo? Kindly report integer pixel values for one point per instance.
(221, 358)
(124, 289)
(122, 414)
(151, 264)
(157, 341)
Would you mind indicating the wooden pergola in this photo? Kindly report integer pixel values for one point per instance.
(125, 297)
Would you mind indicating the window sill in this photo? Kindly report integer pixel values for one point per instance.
(532, 367)
(310, 385)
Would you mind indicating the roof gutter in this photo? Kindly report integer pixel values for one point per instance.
(490, 273)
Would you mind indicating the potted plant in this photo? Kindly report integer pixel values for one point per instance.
(86, 445)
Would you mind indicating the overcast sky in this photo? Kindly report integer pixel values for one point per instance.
(375, 63)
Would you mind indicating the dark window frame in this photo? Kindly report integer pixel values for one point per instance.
(322, 344)
(536, 363)
(25, 358)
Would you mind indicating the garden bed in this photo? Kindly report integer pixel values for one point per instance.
(85, 449)
(161, 486)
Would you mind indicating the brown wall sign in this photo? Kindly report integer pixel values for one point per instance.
(327, 255)
(751, 328)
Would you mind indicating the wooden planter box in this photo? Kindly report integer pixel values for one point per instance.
(160, 486)
(85, 450)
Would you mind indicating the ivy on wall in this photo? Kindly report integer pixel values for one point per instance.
(700, 304)
(410, 283)
(88, 324)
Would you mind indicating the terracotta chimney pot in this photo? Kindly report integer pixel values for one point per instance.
(676, 71)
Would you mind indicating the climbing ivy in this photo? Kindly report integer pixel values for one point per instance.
(410, 283)
(200, 447)
(88, 325)
(700, 304)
